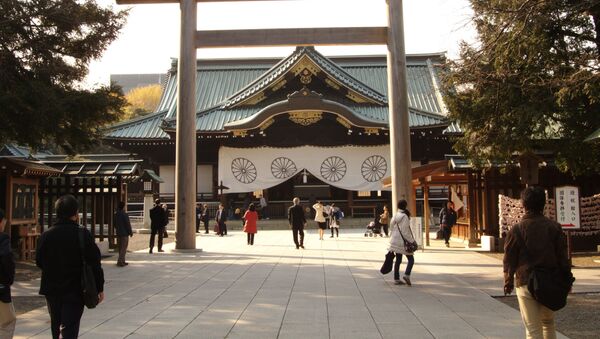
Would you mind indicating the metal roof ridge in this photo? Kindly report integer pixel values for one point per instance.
(280, 67)
(135, 120)
(382, 98)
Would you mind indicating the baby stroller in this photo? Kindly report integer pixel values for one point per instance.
(373, 229)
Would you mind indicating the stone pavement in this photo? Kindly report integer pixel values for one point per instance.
(332, 289)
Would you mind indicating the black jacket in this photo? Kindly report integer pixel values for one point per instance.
(447, 217)
(157, 217)
(7, 268)
(223, 216)
(123, 224)
(59, 256)
(296, 216)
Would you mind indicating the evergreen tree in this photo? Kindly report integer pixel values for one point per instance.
(530, 82)
(45, 49)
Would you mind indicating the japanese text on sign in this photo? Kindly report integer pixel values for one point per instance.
(567, 207)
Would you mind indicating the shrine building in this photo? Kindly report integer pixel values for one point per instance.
(308, 125)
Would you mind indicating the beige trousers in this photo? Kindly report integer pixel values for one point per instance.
(538, 319)
(8, 319)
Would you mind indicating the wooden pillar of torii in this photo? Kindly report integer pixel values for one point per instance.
(185, 165)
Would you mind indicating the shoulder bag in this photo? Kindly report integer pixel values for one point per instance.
(549, 286)
(409, 246)
(88, 281)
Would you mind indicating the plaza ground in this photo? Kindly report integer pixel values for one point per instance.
(332, 289)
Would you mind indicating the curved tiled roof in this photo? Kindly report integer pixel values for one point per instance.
(146, 127)
(286, 64)
(220, 84)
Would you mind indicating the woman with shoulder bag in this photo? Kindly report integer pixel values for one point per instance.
(320, 218)
(402, 242)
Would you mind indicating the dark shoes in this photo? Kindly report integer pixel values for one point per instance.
(302, 246)
(122, 264)
(297, 246)
(407, 280)
(150, 251)
(398, 282)
(161, 250)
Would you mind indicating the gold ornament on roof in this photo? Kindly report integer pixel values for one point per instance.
(306, 118)
(343, 122)
(305, 77)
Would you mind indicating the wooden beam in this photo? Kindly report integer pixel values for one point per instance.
(292, 37)
(400, 156)
(142, 2)
(185, 153)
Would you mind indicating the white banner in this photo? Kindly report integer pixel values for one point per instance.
(355, 168)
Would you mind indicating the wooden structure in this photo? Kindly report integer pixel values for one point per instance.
(19, 180)
(485, 185)
(393, 36)
(437, 174)
(99, 182)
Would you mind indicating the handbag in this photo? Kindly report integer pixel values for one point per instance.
(88, 281)
(549, 286)
(216, 229)
(409, 246)
(387, 264)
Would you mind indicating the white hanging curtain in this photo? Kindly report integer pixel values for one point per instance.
(355, 168)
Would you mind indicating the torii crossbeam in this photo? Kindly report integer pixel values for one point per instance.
(190, 40)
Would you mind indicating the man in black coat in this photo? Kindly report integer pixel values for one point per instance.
(205, 217)
(198, 216)
(447, 221)
(59, 256)
(221, 218)
(157, 225)
(8, 318)
(124, 231)
(297, 222)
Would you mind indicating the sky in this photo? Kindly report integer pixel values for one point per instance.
(150, 37)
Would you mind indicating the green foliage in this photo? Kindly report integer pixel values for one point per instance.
(45, 49)
(531, 82)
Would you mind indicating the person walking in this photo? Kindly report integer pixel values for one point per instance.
(447, 221)
(221, 218)
(124, 231)
(334, 222)
(205, 218)
(400, 231)
(534, 242)
(198, 216)
(263, 207)
(59, 256)
(320, 218)
(384, 220)
(250, 219)
(297, 222)
(157, 225)
(8, 317)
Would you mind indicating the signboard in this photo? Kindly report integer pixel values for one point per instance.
(416, 226)
(567, 207)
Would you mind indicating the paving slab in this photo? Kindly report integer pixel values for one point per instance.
(332, 289)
